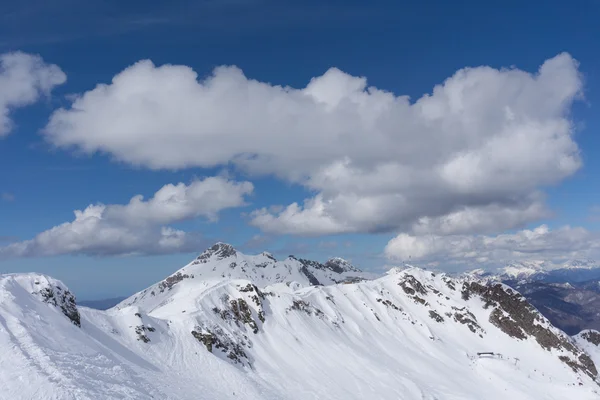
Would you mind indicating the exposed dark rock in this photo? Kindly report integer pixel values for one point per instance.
(216, 338)
(62, 299)
(388, 303)
(207, 339)
(351, 279)
(465, 317)
(435, 316)
(220, 250)
(311, 278)
(411, 285)
(420, 300)
(301, 305)
(269, 255)
(243, 314)
(172, 280)
(248, 288)
(339, 265)
(584, 364)
(238, 311)
(256, 298)
(592, 337)
(507, 325)
(140, 330)
(449, 282)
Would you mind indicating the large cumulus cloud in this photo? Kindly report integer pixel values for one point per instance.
(472, 156)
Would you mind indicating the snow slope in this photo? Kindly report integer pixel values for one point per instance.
(264, 332)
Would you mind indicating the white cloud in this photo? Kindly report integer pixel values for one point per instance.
(489, 218)
(138, 227)
(472, 156)
(173, 203)
(23, 79)
(540, 243)
(297, 220)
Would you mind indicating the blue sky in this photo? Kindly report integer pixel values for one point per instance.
(374, 194)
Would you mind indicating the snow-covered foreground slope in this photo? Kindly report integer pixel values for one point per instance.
(410, 335)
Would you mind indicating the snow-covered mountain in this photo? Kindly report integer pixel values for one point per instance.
(543, 270)
(291, 329)
(223, 262)
(524, 270)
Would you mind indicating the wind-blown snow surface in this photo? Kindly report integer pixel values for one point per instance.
(264, 332)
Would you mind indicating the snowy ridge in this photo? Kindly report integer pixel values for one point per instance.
(222, 261)
(411, 334)
(523, 269)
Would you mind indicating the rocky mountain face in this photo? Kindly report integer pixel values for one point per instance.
(568, 294)
(47, 290)
(230, 326)
(572, 307)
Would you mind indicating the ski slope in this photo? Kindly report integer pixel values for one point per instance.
(261, 330)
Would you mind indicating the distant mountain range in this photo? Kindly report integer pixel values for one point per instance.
(570, 271)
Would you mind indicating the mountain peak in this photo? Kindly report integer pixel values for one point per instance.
(339, 265)
(581, 264)
(222, 262)
(220, 250)
(269, 255)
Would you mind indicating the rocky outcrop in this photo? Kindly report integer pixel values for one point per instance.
(172, 280)
(339, 265)
(218, 250)
(413, 288)
(215, 338)
(62, 299)
(141, 330)
(301, 305)
(435, 316)
(591, 336)
(466, 317)
(309, 275)
(512, 314)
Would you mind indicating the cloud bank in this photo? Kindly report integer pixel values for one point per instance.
(139, 227)
(541, 243)
(471, 157)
